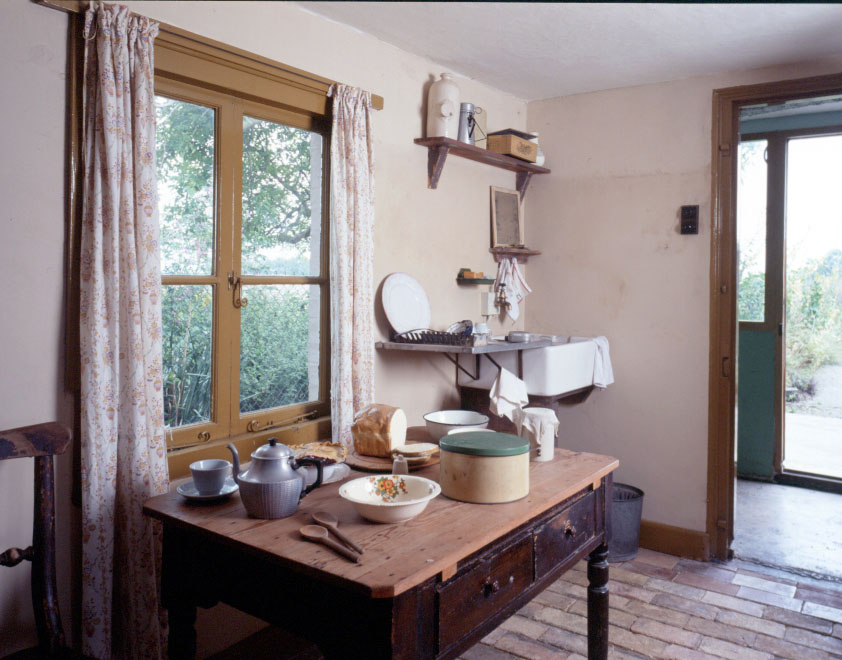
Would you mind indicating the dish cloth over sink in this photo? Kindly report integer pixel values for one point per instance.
(508, 396)
(603, 372)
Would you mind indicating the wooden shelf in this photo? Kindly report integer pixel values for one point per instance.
(521, 254)
(440, 147)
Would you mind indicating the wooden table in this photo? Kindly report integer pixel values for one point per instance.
(429, 588)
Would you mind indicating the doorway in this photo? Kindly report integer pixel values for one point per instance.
(722, 466)
(789, 348)
(789, 293)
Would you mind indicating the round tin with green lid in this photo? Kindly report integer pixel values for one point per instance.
(484, 467)
(484, 443)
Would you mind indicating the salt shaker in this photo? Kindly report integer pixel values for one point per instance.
(399, 465)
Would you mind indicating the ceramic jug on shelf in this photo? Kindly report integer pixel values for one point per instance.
(271, 487)
(443, 108)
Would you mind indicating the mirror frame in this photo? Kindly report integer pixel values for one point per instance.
(503, 225)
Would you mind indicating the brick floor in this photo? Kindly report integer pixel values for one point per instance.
(667, 608)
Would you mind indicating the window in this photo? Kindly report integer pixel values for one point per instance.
(244, 256)
(751, 231)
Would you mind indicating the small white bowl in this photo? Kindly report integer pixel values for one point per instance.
(442, 421)
(390, 498)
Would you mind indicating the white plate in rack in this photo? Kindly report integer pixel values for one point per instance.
(405, 303)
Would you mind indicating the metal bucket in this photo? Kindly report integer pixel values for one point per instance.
(627, 506)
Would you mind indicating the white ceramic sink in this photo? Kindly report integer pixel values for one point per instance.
(565, 366)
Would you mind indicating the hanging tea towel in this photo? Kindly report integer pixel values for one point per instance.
(508, 396)
(603, 372)
(514, 284)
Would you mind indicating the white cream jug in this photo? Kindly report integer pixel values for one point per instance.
(443, 108)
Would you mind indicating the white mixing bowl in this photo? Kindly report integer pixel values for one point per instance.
(442, 421)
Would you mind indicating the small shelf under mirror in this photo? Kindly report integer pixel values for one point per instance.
(521, 254)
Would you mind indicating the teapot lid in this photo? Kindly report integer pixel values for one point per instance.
(272, 450)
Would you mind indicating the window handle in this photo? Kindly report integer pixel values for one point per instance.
(235, 284)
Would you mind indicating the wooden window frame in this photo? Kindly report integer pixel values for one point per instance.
(227, 422)
(203, 71)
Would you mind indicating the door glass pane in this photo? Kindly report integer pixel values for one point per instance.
(185, 153)
(282, 180)
(187, 337)
(813, 420)
(751, 231)
(280, 352)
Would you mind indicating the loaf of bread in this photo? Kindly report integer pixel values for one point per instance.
(378, 429)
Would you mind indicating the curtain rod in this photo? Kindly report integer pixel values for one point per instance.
(77, 7)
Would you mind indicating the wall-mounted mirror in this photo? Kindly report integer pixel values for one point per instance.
(506, 220)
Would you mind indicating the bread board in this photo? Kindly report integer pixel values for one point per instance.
(377, 464)
(414, 434)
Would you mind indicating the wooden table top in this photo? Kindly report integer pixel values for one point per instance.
(397, 557)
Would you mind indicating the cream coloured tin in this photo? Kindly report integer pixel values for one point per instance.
(484, 467)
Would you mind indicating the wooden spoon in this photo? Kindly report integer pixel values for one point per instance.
(330, 521)
(319, 534)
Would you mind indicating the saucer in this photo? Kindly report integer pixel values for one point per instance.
(189, 491)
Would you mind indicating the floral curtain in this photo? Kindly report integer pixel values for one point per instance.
(351, 258)
(123, 445)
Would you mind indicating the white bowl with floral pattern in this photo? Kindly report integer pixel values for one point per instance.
(390, 498)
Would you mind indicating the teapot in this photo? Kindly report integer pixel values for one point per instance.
(271, 487)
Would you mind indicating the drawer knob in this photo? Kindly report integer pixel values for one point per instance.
(569, 529)
(490, 587)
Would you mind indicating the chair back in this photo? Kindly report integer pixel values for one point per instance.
(42, 442)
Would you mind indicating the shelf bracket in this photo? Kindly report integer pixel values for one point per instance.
(477, 358)
(523, 179)
(459, 367)
(435, 162)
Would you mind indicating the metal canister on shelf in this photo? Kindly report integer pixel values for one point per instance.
(466, 123)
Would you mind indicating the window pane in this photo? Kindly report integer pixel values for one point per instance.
(282, 179)
(279, 362)
(188, 332)
(185, 150)
(751, 231)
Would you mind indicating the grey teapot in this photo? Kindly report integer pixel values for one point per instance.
(271, 487)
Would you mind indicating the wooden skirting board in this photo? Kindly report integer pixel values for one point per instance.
(674, 540)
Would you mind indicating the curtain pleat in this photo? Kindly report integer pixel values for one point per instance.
(122, 442)
(351, 258)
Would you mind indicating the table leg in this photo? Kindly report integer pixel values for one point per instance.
(598, 603)
(182, 634)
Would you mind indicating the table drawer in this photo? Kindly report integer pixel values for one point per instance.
(560, 537)
(469, 599)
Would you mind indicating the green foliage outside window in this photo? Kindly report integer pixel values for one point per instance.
(276, 237)
(813, 319)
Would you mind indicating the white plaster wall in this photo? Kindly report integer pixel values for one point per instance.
(32, 68)
(427, 233)
(623, 162)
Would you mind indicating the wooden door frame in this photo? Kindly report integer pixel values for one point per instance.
(723, 301)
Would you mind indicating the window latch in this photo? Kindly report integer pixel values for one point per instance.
(235, 285)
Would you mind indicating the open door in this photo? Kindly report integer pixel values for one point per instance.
(812, 430)
(789, 235)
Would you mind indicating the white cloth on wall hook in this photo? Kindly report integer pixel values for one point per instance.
(510, 277)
